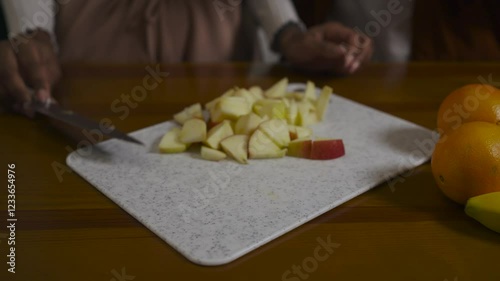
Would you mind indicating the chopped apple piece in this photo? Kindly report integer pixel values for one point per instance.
(246, 124)
(303, 132)
(316, 150)
(297, 132)
(310, 93)
(295, 96)
(237, 147)
(307, 115)
(193, 111)
(193, 130)
(310, 119)
(233, 124)
(278, 90)
(244, 93)
(170, 143)
(277, 131)
(266, 123)
(306, 105)
(292, 112)
(230, 92)
(182, 117)
(234, 107)
(257, 92)
(271, 108)
(212, 154)
(300, 148)
(266, 102)
(261, 146)
(216, 114)
(327, 149)
(209, 105)
(218, 133)
(322, 102)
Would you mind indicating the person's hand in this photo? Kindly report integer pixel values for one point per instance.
(28, 63)
(327, 47)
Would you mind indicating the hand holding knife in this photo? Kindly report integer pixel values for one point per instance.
(51, 109)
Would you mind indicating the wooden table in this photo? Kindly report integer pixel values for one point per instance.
(400, 230)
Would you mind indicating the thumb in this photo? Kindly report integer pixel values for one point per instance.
(43, 94)
(333, 51)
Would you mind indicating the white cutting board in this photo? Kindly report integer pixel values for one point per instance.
(213, 213)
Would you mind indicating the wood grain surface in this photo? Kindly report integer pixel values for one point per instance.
(404, 229)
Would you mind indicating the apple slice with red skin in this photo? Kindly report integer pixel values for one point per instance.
(327, 149)
(316, 150)
(300, 148)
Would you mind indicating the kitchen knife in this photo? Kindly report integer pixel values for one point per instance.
(53, 110)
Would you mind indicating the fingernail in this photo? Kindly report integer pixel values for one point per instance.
(348, 60)
(42, 95)
(343, 48)
(354, 67)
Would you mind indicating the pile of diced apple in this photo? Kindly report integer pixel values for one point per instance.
(256, 124)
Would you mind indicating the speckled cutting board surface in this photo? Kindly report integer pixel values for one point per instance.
(215, 212)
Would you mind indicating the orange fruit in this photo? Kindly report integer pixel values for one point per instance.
(466, 161)
(474, 102)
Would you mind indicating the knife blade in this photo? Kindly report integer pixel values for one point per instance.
(53, 110)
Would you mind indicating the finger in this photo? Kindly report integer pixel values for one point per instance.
(332, 51)
(355, 41)
(367, 53)
(51, 69)
(334, 57)
(32, 66)
(352, 41)
(336, 32)
(326, 58)
(11, 103)
(42, 95)
(359, 51)
(360, 41)
(11, 80)
(363, 54)
(359, 61)
(49, 57)
(323, 48)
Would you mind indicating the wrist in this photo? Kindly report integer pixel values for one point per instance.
(286, 34)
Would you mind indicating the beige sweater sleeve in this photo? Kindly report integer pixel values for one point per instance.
(21, 15)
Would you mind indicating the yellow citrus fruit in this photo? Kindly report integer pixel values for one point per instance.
(474, 102)
(466, 161)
